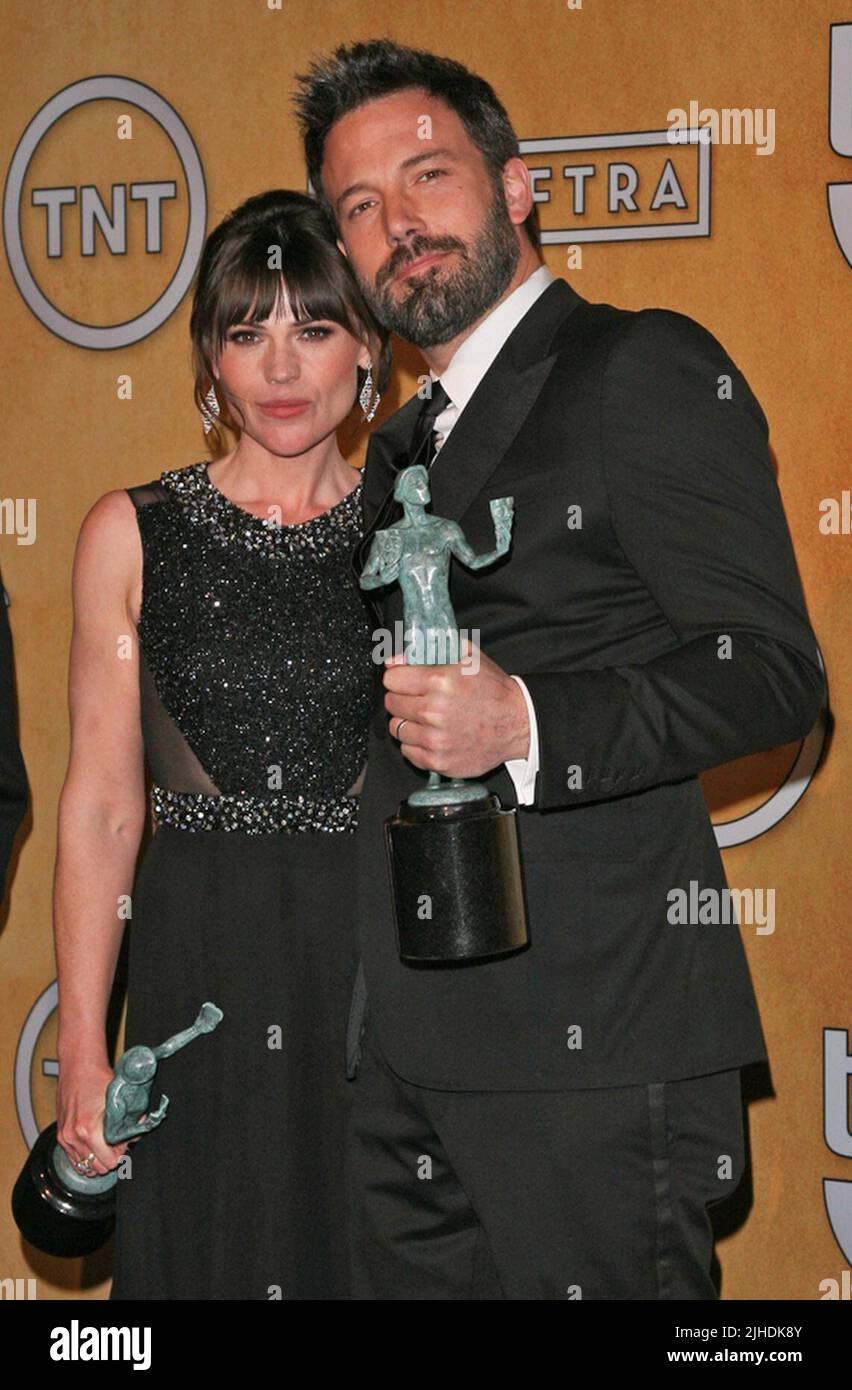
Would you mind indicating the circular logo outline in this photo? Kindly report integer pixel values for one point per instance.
(24, 1054)
(103, 88)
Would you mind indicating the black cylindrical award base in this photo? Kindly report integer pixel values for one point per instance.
(50, 1216)
(456, 880)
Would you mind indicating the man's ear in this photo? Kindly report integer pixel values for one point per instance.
(517, 185)
(342, 248)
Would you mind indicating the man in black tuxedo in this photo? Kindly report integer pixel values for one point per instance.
(13, 777)
(553, 1124)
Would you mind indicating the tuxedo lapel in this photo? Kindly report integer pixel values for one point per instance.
(483, 433)
(386, 454)
(484, 430)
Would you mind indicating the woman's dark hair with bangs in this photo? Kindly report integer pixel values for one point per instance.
(361, 72)
(278, 240)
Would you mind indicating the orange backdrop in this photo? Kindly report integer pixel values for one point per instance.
(761, 265)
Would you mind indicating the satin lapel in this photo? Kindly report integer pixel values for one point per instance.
(499, 406)
(483, 433)
(484, 430)
(386, 454)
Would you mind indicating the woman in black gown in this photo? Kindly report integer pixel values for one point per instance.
(220, 633)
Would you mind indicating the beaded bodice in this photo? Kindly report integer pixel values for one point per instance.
(256, 674)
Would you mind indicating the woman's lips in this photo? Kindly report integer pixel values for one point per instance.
(282, 412)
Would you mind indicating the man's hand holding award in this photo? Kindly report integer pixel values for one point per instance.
(452, 849)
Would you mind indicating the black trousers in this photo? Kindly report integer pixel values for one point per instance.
(595, 1194)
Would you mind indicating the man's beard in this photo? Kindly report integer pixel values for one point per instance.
(441, 304)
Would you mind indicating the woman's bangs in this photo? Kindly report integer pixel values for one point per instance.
(257, 292)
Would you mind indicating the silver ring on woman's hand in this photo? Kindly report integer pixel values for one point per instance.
(84, 1165)
(399, 727)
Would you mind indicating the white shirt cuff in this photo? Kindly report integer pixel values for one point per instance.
(523, 770)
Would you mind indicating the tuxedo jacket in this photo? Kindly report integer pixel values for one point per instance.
(14, 791)
(651, 602)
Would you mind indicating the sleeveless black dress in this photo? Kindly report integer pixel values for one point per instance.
(256, 682)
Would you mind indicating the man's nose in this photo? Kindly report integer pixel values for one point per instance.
(402, 219)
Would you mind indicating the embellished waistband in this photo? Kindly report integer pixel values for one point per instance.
(253, 815)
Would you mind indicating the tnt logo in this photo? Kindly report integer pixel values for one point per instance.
(106, 176)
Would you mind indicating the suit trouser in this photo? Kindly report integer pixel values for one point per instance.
(593, 1194)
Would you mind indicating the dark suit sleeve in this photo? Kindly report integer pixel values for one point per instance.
(696, 510)
(13, 778)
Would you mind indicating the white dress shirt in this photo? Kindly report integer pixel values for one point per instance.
(467, 367)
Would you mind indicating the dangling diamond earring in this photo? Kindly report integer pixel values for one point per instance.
(210, 410)
(366, 392)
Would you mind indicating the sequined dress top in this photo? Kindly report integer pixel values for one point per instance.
(256, 674)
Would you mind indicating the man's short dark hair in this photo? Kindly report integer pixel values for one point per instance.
(360, 72)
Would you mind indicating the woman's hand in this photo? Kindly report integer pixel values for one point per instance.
(80, 1104)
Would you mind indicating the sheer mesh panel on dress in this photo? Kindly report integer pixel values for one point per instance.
(147, 492)
(170, 758)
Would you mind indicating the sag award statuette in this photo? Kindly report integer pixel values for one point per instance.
(57, 1208)
(452, 849)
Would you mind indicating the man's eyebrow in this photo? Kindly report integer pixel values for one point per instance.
(406, 164)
